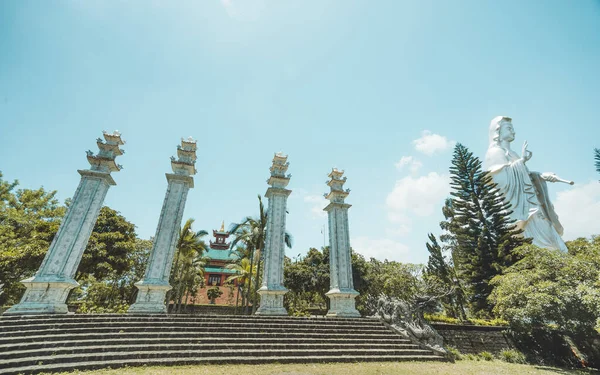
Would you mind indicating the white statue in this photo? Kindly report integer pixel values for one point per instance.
(526, 191)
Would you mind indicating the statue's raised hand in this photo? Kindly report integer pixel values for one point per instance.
(525, 153)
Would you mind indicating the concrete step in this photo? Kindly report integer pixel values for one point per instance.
(145, 354)
(187, 325)
(7, 319)
(206, 346)
(252, 341)
(61, 367)
(193, 335)
(30, 344)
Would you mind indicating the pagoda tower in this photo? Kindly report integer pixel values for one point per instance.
(341, 293)
(153, 288)
(219, 256)
(272, 289)
(48, 289)
(220, 238)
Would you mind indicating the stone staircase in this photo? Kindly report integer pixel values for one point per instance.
(51, 343)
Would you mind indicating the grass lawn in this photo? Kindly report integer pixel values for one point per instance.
(464, 367)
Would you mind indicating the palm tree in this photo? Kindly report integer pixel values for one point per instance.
(243, 275)
(252, 232)
(189, 247)
(597, 152)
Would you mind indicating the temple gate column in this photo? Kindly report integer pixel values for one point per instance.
(153, 288)
(48, 289)
(272, 289)
(341, 294)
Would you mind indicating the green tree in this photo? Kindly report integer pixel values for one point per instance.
(114, 259)
(29, 219)
(552, 287)
(597, 157)
(112, 240)
(484, 234)
(188, 264)
(243, 275)
(307, 280)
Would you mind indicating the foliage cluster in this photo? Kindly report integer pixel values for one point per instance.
(442, 318)
(551, 287)
(187, 273)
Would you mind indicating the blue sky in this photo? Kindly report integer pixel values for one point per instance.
(381, 89)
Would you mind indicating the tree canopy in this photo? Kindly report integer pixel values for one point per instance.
(29, 219)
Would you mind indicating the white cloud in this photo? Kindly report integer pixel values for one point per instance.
(318, 203)
(418, 195)
(578, 210)
(430, 143)
(413, 164)
(381, 248)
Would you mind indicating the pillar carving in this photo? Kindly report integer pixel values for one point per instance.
(48, 289)
(341, 293)
(153, 288)
(272, 289)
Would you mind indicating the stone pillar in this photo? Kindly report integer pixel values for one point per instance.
(341, 293)
(153, 288)
(272, 290)
(49, 288)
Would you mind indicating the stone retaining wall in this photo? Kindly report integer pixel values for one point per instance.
(469, 339)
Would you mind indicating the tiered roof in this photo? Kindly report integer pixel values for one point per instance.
(108, 150)
(336, 184)
(186, 158)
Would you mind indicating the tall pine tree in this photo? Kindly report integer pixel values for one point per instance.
(597, 157)
(484, 235)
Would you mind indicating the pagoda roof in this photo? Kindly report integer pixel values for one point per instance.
(219, 270)
(216, 254)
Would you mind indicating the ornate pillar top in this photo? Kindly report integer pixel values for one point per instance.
(185, 162)
(109, 149)
(336, 184)
(278, 177)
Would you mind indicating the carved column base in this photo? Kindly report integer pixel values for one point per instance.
(342, 303)
(150, 298)
(271, 301)
(44, 295)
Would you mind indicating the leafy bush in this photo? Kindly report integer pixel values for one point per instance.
(454, 353)
(486, 356)
(214, 293)
(441, 318)
(551, 287)
(512, 356)
(478, 322)
(471, 357)
(489, 322)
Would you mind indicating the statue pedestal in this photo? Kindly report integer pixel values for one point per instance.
(150, 298)
(271, 302)
(342, 304)
(44, 295)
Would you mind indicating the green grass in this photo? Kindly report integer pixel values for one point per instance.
(494, 367)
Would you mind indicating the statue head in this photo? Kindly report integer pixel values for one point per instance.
(501, 128)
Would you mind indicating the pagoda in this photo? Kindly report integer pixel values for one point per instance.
(219, 256)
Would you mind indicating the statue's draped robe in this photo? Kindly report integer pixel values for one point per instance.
(527, 194)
